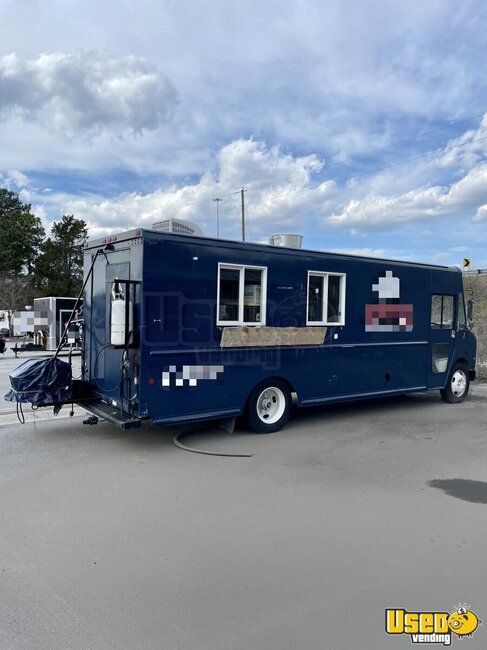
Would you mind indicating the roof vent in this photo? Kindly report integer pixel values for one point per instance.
(178, 227)
(287, 241)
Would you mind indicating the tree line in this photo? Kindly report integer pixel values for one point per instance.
(33, 264)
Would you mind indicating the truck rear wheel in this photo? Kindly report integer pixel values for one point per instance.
(269, 406)
(456, 389)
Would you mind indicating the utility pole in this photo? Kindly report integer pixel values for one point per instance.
(217, 201)
(242, 194)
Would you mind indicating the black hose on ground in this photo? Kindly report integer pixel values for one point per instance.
(176, 440)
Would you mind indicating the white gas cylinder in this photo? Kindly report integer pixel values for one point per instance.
(118, 335)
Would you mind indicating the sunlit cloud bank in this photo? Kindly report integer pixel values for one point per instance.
(86, 92)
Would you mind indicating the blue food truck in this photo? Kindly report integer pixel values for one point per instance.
(181, 328)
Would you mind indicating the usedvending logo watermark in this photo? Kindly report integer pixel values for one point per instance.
(433, 627)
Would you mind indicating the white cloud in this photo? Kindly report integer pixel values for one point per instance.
(280, 194)
(321, 80)
(380, 212)
(253, 162)
(362, 252)
(333, 77)
(440, 258)
(14, 180)
(86, 92)
(481, 214)
(467, 149)
(17, 178)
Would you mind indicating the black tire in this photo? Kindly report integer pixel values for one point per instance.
(458, 384)
(269, 406)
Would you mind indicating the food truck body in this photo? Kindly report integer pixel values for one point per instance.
(183, 328)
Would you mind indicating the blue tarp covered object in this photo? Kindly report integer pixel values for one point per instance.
(41, 382)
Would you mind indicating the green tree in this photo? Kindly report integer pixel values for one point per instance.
(16, 292)
(21, 235)
(59, 269)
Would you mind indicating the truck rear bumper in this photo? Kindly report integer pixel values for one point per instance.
(84, 396)
(111, 414)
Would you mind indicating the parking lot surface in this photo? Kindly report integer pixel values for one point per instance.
(118, 539)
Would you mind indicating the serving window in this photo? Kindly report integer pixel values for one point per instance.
(241, 294)
(326, 298)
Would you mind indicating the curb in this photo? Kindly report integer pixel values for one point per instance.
(41, 415)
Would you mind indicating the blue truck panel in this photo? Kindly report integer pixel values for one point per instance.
(181, 363)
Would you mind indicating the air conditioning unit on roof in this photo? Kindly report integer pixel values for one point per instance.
(178, 227)
(287, 241)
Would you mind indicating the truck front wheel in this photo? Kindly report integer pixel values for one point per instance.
(269, 406)
(456, 389)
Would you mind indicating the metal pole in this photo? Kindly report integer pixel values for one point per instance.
(78, 299)
(242, 194)
(217, 201)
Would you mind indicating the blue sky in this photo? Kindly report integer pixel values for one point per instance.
(362, 126)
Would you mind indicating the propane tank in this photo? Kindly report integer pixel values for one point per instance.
(118, 335)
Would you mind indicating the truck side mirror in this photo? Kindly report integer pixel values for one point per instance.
(470, 311)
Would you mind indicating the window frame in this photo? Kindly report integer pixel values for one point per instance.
(442, 326)
(343, 283)
(241, 297)
(461, 302)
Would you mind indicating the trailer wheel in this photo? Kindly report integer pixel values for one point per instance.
(456, 389)
(269, 406)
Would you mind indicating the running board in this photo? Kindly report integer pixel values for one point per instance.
(111, 414)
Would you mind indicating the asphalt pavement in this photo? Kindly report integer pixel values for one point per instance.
(118, 539)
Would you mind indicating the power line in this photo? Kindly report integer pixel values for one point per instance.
(416, 137)
(425, 155)
(396, 164)
(364, 173)
(395, 144)
(363, 155)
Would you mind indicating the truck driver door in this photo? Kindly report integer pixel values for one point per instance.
(441, 338)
